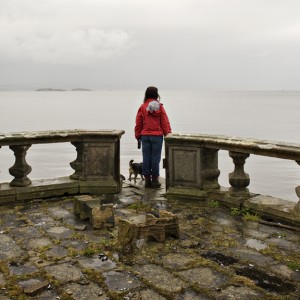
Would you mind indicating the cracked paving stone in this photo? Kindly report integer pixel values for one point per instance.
(177, 260)
(25, 232)
(255, 233)
(36, 244)
(283, 270)
(121, 281)
(238, 293)
(17, 269)
(60, 232)
(191, 296)
(57, 252)
(60, 213)
(33, 286)
(65, 272)
(85, 292)
(282, 243)
(151, 295)
(160, 278)
(8, 248)
(204, 277)
(250, 256)
(41, 220)
(96, 264)
(46, 295)
(77, 245)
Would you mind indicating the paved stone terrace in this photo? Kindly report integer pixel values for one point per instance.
(48, 253)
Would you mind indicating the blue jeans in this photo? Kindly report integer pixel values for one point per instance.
(151, 148)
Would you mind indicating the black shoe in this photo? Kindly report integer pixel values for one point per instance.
(148, 183)
(155, 183)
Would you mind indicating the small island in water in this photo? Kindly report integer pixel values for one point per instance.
(81, 90)
(61, 90)
(50, 90)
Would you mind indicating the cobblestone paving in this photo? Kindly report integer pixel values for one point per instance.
(48, 253)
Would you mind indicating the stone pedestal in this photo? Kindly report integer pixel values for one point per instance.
(97, 165)
(191, 170)
(77, 164)
(238, 179)
(210, 171)
(20, 169)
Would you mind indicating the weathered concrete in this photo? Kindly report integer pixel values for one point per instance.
(218, 254)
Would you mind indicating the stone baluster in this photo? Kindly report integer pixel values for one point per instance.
(77, 164)
(297, 206)
(210, 171)
(20, 169)
(238, 179)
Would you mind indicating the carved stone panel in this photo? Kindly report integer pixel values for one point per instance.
(98, 161)
(185, 166)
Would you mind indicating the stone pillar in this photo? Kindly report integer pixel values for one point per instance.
(97, 165)
(77, 164)
(184, 167)
(238, 179)
(99, 160)
(210, 171)
(297, 206)
(20, 169)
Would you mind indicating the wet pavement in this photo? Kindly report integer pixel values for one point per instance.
(46, 252)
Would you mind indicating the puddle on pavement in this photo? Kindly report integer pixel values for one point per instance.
(255, 244)
(220, 258)
(268, 282)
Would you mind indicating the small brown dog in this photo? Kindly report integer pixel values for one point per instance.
(135, 169)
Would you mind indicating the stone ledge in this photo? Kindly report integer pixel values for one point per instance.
(274, 208)
(46, 188)
(183, 193)
(268, 207)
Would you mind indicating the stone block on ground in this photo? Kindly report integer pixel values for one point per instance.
(157, 227)
(102, 216)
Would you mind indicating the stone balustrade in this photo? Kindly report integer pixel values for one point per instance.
(96, 167)
(192, 166)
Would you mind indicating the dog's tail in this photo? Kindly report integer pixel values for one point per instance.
(130, 163)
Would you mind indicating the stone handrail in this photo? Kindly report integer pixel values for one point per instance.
(97, 165)
(192, 164)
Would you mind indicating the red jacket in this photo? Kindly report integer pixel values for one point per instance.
(151, 122)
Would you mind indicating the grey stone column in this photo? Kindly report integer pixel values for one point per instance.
(238, 179)
(77, 164)
(97, 165)
(20, 169)
(297, 206)
(210, 171)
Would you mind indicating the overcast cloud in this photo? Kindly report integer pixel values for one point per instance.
(114, 44)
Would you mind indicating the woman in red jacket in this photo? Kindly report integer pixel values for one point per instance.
(152, 124)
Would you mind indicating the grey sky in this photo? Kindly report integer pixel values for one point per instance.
(112, 44)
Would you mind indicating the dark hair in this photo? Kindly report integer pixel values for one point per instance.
(151, 93)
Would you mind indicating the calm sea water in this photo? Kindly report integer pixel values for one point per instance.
(260, 114)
